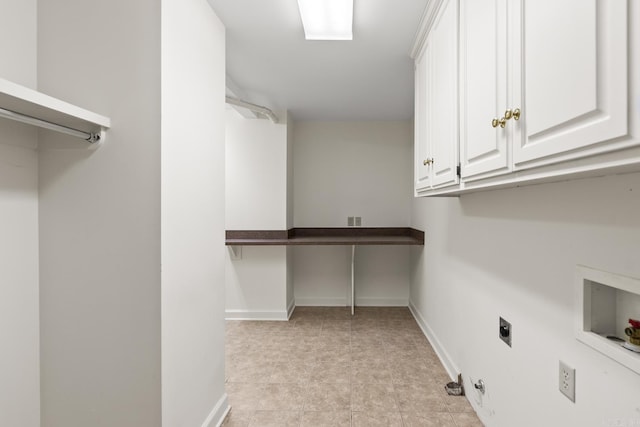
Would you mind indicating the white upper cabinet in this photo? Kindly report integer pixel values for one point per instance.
(548, 90)
(575, 79)
(436, 101)
(444, 96)
(422, 170)
(483, 88)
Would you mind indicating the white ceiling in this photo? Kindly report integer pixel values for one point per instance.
(369, 78)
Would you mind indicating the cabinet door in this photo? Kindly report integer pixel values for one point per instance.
(422, 152)
(575, 79)
(483, 87)
(444, 96)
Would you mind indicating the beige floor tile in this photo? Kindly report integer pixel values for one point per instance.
(373, 397)
(421, 403)
(338, 355)
(466, 419)
(368, 354)
(336, 325)
(257, 371)
(425, 419)
(244, 396)
(303, 352)
(307, 327)
(410, 374)
(329, 372)
(338, 313)
(275, 419)
(291, 372)
(366, 339)
(327, 397)
(365, 372)
(417, 390)
(326, 367)
(237, 418)
(458, 404)
(335, 339)
(406, 352)
(326, 418)
(282, 397)
(376, 419)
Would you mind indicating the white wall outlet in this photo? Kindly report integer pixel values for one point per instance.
(567, 381)
(350, 221)
(358, 221)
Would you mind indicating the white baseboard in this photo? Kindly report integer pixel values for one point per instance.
(321, 302)
(382, 302)
(444, 357)
(258, 315)
(290, 307)
(343, 302)
(217, 414)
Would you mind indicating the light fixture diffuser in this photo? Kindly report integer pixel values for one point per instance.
(327, 19)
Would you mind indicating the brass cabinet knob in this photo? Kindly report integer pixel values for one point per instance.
(427, 162)
(515, 114)
(508, 114)
(499, 122)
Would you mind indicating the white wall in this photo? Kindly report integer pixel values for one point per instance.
(192, 194)
(352, 169)
(257, 180)
(256, 284)
(513, 253)
(290, 176)
(290, 185)
(256, 176)
(18, 43)
(100, 217)
(19, 318)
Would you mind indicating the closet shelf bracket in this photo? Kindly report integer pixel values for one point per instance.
(253, 107)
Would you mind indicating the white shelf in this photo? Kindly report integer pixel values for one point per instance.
(28, 102)
(605, 303)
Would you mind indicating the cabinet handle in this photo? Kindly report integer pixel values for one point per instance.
(508, 115)
(499, 122)
(427, 162)
(515, 114)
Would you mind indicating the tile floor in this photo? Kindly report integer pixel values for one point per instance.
(325, 367)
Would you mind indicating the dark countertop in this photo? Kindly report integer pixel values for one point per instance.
(327, 236)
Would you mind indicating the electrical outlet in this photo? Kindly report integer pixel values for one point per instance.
(350, 221)
(358, 221)
(505, 331)
(567, 381)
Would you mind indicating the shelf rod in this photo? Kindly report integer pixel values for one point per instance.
(90, 137)
(253, 107)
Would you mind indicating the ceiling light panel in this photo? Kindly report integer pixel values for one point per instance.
(327, 19)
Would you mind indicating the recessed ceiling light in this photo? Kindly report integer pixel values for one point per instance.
(327, 19)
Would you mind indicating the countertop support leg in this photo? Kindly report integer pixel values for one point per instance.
(353, 278)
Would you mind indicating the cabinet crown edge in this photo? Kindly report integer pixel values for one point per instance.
(424, 27)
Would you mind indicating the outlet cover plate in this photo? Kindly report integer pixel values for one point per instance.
(505, 331)
(567, 381)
